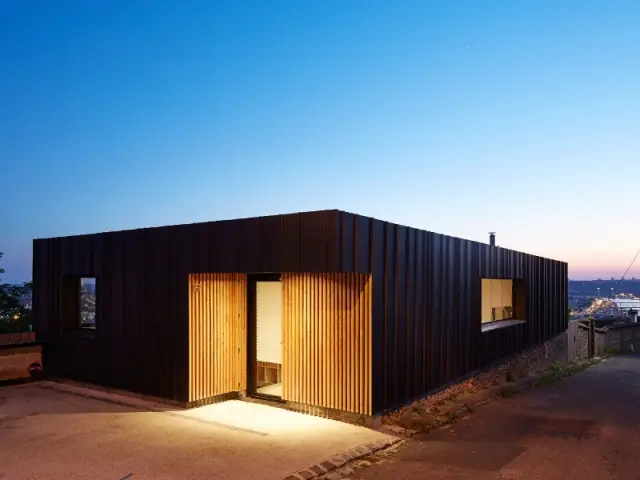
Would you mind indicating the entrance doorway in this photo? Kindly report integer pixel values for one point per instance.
(265, 336)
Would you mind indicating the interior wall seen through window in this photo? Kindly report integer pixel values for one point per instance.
(497, 299)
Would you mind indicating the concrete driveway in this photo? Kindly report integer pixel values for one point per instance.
(49, 433)
(585, 427)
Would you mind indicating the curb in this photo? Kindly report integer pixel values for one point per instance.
(340, 460)
(109, 397)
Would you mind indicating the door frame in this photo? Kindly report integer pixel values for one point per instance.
(252, 332)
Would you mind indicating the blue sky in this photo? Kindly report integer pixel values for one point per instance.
(456, 117)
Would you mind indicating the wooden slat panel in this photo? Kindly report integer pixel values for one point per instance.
(217, 334)
(327, 335)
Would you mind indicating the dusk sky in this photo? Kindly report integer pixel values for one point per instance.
(520, 117)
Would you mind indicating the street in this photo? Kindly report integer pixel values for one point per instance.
(584, 427)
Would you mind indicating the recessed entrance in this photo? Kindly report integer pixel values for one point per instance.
(298, 338)
(265, 336)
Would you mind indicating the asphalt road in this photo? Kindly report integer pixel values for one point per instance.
(584, 427)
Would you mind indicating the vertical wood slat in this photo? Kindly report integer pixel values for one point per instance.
(327, 327)
(217, 334)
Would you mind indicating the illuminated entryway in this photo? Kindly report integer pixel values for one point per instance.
(268, 341)
(300, 338)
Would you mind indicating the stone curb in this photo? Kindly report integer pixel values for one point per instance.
(340, 460)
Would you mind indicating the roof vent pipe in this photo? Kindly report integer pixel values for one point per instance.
(492, 239)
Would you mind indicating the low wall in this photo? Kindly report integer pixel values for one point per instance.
(16, 338)
(539, 357)
(623, 338)
(618, 339)
(577, 341)
(19, 355)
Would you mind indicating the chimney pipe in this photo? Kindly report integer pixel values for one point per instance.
(492, 239)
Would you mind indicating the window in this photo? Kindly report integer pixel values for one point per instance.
(87, 303)
(497, 300)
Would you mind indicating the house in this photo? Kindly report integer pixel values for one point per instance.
(327, 311)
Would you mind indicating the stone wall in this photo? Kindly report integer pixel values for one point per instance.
(577, 342)
(618, 339)
(423, 414)
(511, 369)
(608, 340)
(523, 364)
(537, 358)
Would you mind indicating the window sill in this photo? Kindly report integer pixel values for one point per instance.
(490, 327)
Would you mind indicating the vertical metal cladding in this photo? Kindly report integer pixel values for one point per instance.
(444, 339)
(141, 337)
(141, 342)
(327, 340)
(217, 334)
(427, 297)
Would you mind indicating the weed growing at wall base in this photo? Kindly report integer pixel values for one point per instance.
(450, 406)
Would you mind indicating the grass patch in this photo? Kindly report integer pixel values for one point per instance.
(510, 376)
(421, 423)
(508, 391)
(451, 417)
(558, 371)
(548, 378)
